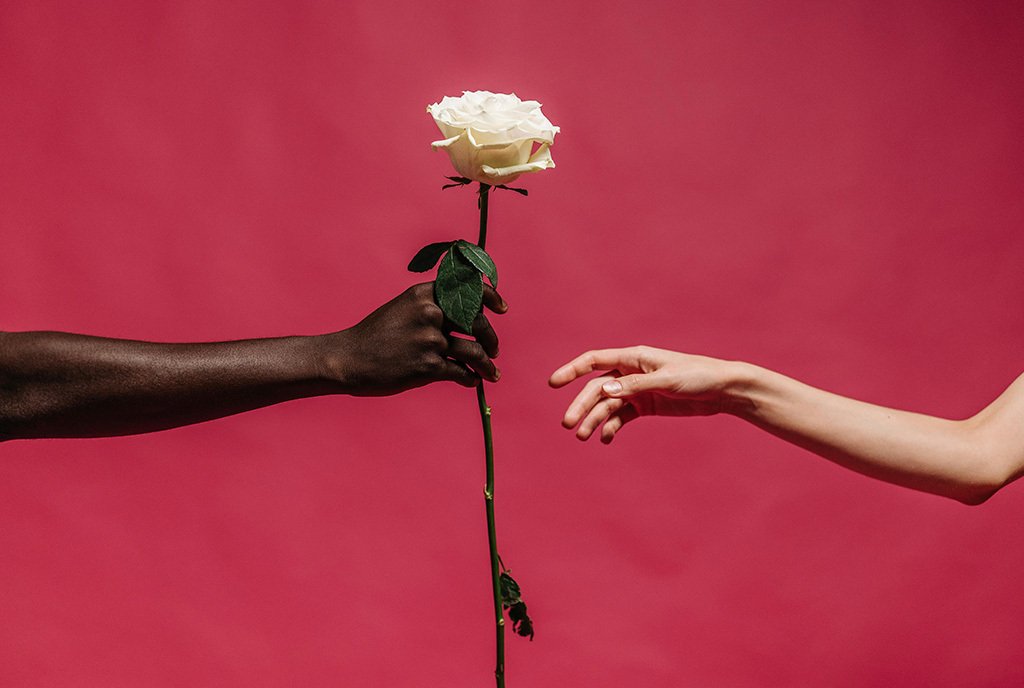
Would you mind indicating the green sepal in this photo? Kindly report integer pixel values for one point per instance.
(523, 192)
(428, 256)
(459, 181)
(479, 258)
(459, 291)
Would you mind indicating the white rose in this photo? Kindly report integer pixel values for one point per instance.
(490, 136)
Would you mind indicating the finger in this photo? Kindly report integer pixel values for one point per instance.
(493, 300)
(628, 385)
(472, 354)
(456, 372)
(614, 424)
(598, 359)
(600, 413)
(585, 400)
(484, 334)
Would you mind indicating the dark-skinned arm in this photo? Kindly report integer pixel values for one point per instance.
(55, 384)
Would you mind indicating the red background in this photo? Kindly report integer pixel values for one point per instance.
(829, 189)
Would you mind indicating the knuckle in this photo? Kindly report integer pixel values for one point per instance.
(460, 373)
(430, 313)
(433, 340)
(475, 352)
(644, 356)
(430, 363)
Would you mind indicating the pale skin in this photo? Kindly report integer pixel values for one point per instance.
(56, 384)
(967, 460)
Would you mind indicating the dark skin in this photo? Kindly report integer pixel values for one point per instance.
(54, 384)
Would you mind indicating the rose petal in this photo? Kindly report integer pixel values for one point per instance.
(484, 140)
(541, 160)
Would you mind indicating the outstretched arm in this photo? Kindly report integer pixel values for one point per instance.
(967, 460)
(54, 384)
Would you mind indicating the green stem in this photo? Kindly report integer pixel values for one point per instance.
(492, 534)
(485, 190)
(492, 537)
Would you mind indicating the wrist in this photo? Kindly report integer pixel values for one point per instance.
(329, 354)
(742, 380)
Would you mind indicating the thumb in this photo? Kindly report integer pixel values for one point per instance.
(628, 385)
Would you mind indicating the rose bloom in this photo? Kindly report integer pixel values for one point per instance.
(490, 136)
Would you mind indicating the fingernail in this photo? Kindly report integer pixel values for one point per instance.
(612, 387)
(497, 374)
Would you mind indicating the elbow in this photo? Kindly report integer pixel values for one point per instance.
(975, 495)
(992, 463)
(991, 475)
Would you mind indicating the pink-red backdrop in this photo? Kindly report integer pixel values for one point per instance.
(830, 189)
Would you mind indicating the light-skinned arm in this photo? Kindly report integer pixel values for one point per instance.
(55, 384)
(967, 460)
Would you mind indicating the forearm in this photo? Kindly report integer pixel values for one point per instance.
(64, 385)
(945, 457)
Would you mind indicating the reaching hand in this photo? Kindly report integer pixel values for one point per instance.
(642, 381)
(408, 343)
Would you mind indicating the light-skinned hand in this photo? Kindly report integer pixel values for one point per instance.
(641, 381)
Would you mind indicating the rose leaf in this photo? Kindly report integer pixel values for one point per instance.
(459, 291)
(510, 593)
(479, 258)
(428, 256)
(511, 599)
(522, 624)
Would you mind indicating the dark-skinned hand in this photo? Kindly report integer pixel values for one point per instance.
(409, 343)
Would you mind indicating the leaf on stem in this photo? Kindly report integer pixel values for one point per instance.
(428, 256)
(479, 258)
(459, 290)
(511, 599)
(510, 593)
(522, 624)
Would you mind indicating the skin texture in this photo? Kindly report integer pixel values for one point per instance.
(967, 460)
(55, 384)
